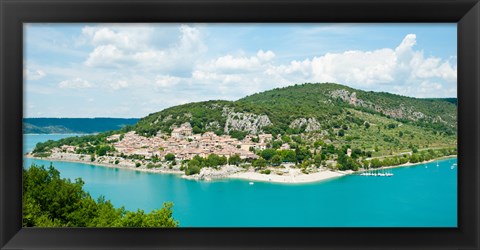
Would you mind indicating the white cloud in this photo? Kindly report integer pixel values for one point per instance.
(384, 69)
(190, 40)
(130, 36)
(120, 84)
(105, 55)
(165, 81)
(32, 75)
(238, 64)
(129, 47)
(265, 56)
(433, 68)
(76, 83)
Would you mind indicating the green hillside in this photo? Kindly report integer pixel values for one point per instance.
(328, 103)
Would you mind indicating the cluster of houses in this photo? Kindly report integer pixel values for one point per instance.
(185, 145)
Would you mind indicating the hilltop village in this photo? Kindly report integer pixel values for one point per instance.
(185, 145)
(167, 154)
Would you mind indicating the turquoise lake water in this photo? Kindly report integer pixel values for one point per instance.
(423, 195)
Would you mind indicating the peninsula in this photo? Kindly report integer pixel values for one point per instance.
(297, 134)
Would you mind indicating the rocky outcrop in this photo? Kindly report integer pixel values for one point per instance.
(185, 125)
(311, 124)
(401, 112)
(213, 125)
(351, 98)
(168, 118)
(212, 173)
(243, 121)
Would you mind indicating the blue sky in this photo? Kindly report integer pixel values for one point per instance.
(121, 70)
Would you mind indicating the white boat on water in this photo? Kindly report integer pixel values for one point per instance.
(376, 173)
(251, 183)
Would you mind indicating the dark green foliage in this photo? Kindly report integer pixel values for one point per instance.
(42, 154)
(102, 150)
(276, 160)
(266, 171)
(288, 155)
(214, 160)
(49, 201)
(418, 157)
(259, 163)
(345, 162)
(392, 126)
(151, 165)
(318, 160)
(297, 139)
(286, 139)
(192, 169)
(268, 153)
(302, 154)
(239, 135)
(169, 157)
(90, 143)
(234, 160)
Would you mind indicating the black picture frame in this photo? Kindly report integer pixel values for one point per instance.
(466, 13)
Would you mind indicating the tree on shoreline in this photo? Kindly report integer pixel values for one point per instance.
(49, 201)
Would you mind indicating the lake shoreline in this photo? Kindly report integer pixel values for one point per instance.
(108, 165)
(408, 164)
(287, 176)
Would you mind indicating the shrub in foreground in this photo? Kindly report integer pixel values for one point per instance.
(50, 201)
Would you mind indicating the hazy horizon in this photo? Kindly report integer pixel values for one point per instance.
(53, 117)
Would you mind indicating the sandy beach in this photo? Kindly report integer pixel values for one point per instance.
(296, 177)
(290, 175)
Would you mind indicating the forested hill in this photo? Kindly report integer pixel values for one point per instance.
(74, 125)
(318, 107)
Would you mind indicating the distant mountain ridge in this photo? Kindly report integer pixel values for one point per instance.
(74, 125)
